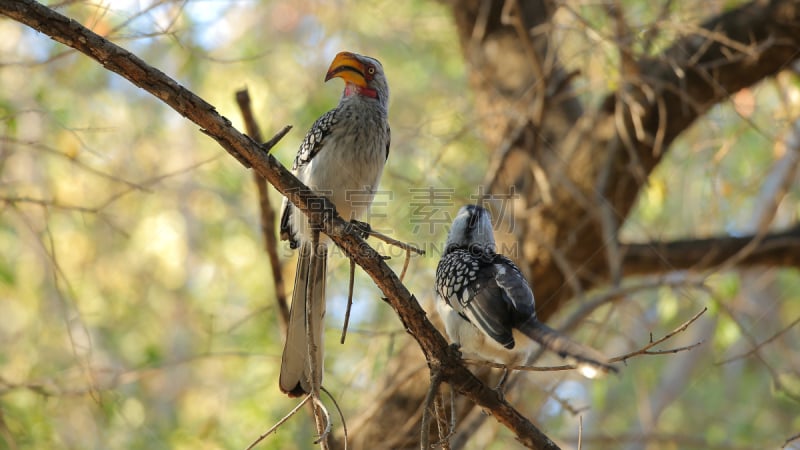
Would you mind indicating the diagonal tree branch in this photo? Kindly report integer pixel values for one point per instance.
(441, 358)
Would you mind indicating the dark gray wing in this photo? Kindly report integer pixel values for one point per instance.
(469, 283)
(515, 288)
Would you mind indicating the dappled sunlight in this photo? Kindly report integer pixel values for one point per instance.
(137, 303)
(161, 240)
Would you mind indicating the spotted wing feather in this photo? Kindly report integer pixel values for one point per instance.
(467, 281)
(315, 138)
(311, 145)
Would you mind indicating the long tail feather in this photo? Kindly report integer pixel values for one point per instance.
(296, 368)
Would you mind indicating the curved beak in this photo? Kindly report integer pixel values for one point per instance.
(347, 67)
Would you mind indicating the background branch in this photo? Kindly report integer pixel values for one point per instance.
(777, 249)
(268, 232)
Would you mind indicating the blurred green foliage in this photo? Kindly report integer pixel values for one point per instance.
(136, 306)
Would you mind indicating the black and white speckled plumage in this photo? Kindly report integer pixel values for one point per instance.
(315, 138)
(467, 279)
(486, 303)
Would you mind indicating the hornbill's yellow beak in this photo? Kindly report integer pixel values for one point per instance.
(347, 67)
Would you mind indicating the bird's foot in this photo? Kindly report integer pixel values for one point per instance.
(456, 348)
(363, 229)
(501, 385)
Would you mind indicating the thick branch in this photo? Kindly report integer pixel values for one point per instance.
(776, 249)
(439, 355)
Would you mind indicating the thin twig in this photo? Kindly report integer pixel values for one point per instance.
(349, 299)
(424, 440)
(790, 440)
(280, 422)
(322, 414)
(757, 347)
(552, 394)
(267, 146)
(591, 303)
(339, 410)
(444, 441)
(494, 365)
(642, 351)
(395, 242)
(441, 423)
(779, 385)
(405, 265)
(646, 349)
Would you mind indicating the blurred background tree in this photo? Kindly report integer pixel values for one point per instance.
(137, 309)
